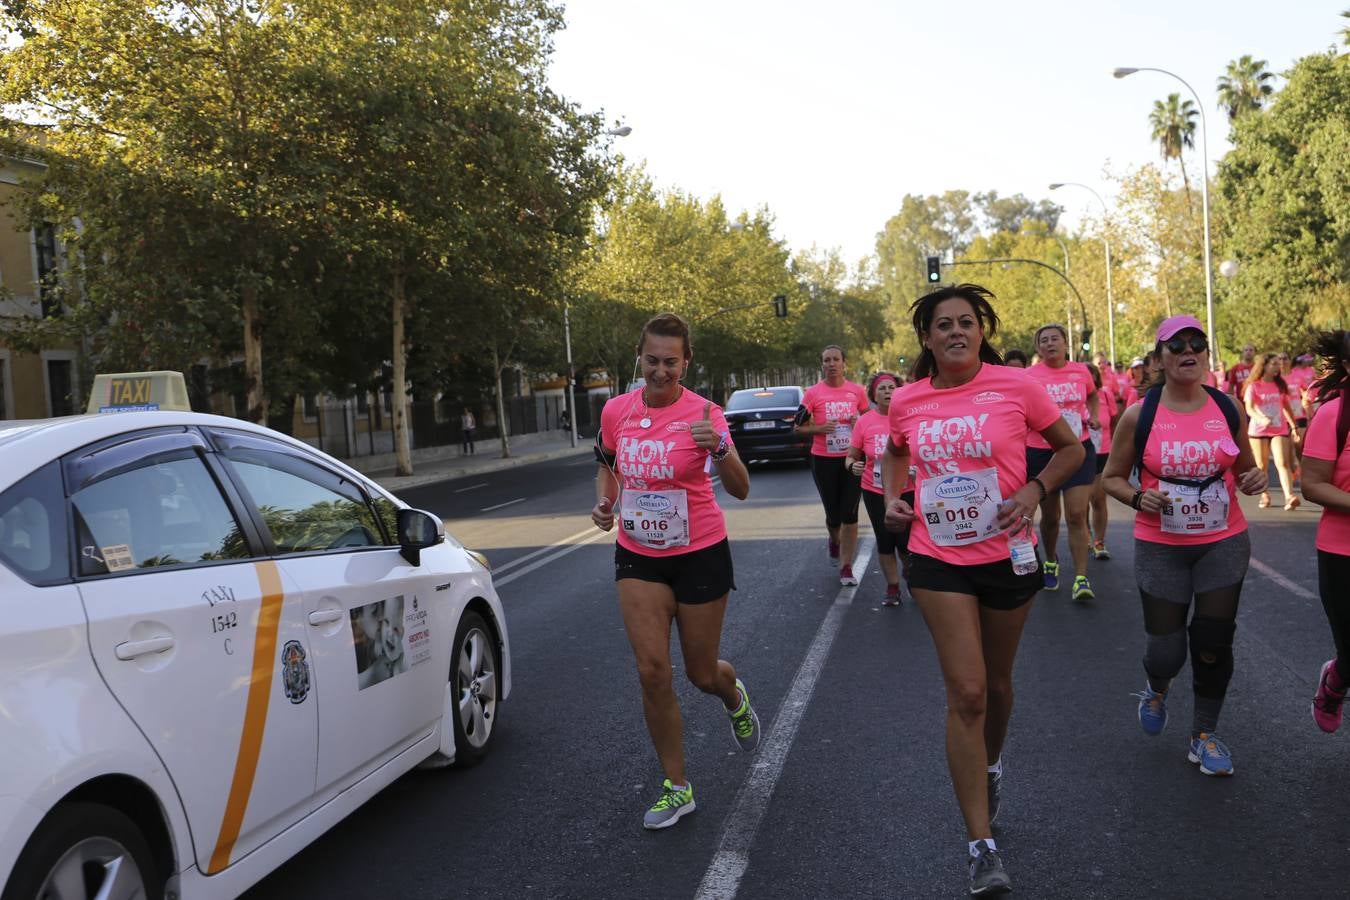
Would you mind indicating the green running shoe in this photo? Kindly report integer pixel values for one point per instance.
(1051, 572)
(670, 807)
(745, 721)
(1082, 589)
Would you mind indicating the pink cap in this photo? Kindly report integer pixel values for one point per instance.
(1178, 323)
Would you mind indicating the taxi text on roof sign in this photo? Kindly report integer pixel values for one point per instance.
(138, 392)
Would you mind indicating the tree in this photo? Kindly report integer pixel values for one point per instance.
(1244, 87)
(1173, 124)
(1285, 192)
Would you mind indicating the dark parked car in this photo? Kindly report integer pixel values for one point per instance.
(761, 423)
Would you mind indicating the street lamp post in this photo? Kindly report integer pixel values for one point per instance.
(1124, 71)
(1106, 243)
(1067, 305)
(570, 393)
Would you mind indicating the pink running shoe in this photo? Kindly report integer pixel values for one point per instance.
(834, 553)
(1326, 703)
(846, 577)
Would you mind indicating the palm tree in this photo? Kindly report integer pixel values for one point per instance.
(1345, 32)
(1244, 87)
(1173, 124)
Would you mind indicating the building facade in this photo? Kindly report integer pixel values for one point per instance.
(49, 382)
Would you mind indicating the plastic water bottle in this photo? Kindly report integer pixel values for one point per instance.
(1022, 550)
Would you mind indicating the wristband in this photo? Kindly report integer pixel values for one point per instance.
(723, 448)
(1138, 496)
(1040, 484)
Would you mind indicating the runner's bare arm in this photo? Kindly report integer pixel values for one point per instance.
(1250, 479)
(1318, 486)
(895, 480)
(606, 492)
(1094, 405)
(855, 460)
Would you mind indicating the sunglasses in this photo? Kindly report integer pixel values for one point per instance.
(1177, 345)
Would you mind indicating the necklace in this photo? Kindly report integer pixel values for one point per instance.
(646, 420)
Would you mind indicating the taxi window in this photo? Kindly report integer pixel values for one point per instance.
(305, 507)
(33, 528)
(168, 512)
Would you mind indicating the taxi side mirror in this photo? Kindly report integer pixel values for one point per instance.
(418, 530)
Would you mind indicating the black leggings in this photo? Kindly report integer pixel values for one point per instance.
(1333, 581)
(887, 541)
(839, 489)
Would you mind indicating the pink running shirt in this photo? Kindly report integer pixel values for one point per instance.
(1267, 397)
(663, 457)
(842, 404)
(1108, 412)
(1333, 529)
(981, 424)
(1192, 447)
(1298, 379)
(1069, 387)
(869, 436)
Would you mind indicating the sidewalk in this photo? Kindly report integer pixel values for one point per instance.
(445, 463)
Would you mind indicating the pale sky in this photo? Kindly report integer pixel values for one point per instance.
(830, 112)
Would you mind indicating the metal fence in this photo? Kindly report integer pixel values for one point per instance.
(343, 429)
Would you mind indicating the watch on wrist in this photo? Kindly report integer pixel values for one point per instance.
(1135, 500)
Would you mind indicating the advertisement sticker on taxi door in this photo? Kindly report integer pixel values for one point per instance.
(387, 640)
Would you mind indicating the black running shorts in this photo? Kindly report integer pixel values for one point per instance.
(994, 585)
(701, 576)
(839, 489)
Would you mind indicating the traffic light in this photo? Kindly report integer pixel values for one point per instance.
(934, 270)
(1086, 342)
(780, 306)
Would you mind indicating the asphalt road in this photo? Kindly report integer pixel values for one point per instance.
(849, 794)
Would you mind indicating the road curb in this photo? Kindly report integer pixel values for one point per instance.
(397, 483)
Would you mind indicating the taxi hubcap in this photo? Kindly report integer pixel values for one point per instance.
(97, 867)
(477, 687)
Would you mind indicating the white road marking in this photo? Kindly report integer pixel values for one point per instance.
(1283, 582)
(520, 560)
(472, 487)
(723, 878)
(500, 505)
(499, 583)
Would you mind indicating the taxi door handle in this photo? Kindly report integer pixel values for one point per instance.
(325, 616)
(133, 649)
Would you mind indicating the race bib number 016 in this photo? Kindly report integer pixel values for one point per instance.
(962, 508)
(837, 441)
(1190, 510)
(656, 519)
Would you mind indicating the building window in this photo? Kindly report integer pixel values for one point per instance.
(44, 245)
(199, 388)
(310, 407)
(61, 386)
(362, 404)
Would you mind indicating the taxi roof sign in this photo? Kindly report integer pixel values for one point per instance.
(138, 392)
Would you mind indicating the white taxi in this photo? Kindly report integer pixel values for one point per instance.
(215, 643)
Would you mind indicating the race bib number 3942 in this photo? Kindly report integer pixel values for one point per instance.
(961, 508)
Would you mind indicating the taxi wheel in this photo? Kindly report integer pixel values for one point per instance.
(474, 674)
(86, 850)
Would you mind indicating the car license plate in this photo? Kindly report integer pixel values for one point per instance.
(758, 426)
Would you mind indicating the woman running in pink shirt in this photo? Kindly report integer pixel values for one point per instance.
(1074, 392)
(1266, 396)
(964, 423)
(657, 448)
(864, 461)
(1326, 482)
(830, 409)
(1190, 537)
(1101, 443)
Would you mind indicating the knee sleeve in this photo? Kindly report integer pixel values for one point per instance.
(1212, 655)
(1165, 654)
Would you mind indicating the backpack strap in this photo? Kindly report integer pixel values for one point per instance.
(1148, 411)
(1228, 408)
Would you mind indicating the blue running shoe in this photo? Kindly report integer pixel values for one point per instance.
(1212, 755)
(1051, 571)
(1152, 711)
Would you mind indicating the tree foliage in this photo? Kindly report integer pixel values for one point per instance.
(1285, 188)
